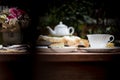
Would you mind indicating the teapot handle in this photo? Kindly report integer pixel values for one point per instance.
(71, 30)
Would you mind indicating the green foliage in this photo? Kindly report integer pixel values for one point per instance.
(78, 14)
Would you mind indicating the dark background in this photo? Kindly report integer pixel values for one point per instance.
(36, 8)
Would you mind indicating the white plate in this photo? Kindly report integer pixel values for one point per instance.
(89, 49)
(65, 49)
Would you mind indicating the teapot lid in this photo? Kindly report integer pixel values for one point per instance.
(61, 24)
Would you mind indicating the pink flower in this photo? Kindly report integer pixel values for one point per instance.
(15, 13)
(10, 17)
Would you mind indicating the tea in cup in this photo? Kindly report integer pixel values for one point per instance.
(99, 40)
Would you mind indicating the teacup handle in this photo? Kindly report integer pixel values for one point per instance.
(71, 29)
(111, 36)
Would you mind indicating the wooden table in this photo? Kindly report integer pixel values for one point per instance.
(77, 66)
(15, 66)
(9, 56)
(60, 66)
(77, 56)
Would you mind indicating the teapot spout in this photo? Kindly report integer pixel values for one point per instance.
(50, 30)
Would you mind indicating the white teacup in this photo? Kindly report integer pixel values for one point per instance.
(99, 40)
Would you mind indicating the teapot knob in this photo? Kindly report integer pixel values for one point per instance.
(61, 23)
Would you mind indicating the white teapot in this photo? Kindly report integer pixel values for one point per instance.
(61, 30)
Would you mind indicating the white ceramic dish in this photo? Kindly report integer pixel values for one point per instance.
(65, 49)
(1, 46)
(89, 49)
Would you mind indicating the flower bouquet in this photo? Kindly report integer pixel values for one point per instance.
(12, 21)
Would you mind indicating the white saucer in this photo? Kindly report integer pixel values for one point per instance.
(89, 49)
(65, 49)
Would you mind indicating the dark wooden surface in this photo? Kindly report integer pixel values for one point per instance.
(77, 56)
(16, 66)
(77, 66)
(60, 66)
